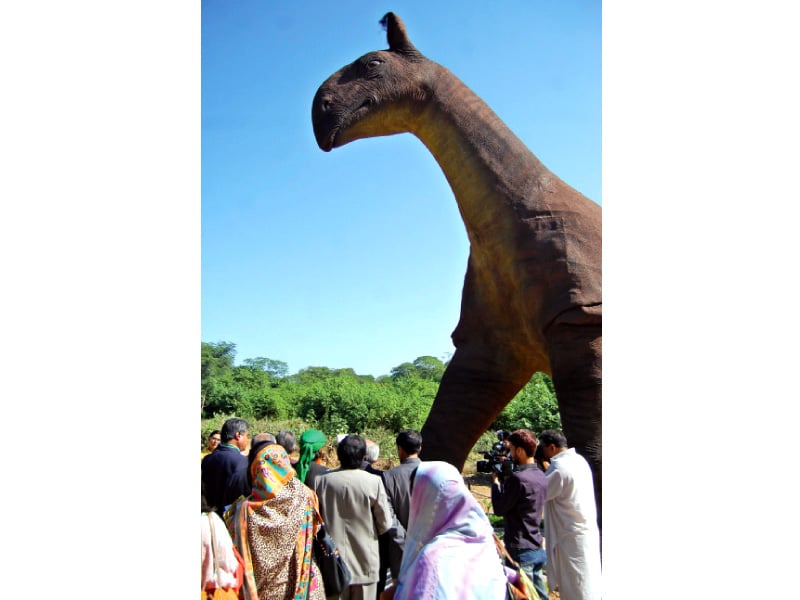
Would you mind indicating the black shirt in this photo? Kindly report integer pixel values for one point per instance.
(521, 503)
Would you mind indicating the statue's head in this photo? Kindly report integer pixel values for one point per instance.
(375, 94)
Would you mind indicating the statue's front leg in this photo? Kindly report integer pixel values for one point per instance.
(476, 386)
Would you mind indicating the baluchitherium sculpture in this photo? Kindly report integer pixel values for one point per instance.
(532, 292)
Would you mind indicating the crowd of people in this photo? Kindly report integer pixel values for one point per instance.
(414, 531)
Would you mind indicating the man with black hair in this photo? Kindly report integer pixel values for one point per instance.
(519, 498)
(356, 511)
(224, 471)
(398, 489)
(570, 517)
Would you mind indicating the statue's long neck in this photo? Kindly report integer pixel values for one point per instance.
(491, 172)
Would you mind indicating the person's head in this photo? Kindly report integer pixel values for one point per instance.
(311, 442)
(373, 451)
(258, 442)
(440, 501)
(351, 451)
(286, 439)
(539, 458)
(522, 446)
(502, 436)
(264, 437)
(409, 441)
(269, 471)
(234, 432)
(214, 439)
(552, 442)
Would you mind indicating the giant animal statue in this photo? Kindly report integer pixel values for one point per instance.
(532, 291)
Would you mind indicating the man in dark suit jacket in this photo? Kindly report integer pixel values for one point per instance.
(224, 471)
(398, 488)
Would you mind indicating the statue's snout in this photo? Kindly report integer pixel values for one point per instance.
(323, 119)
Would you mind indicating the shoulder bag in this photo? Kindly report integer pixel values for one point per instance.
(335, 574)
(520, 586)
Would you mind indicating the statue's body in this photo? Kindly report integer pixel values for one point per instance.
(532, 292)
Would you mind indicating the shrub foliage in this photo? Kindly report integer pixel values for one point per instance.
(340, 401)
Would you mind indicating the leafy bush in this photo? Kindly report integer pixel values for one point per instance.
(535, 407)
(340, 401)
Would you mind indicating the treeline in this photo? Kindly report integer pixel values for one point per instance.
(335, 400)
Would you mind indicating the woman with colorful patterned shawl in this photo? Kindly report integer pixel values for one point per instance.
(273, 530)
(449, 549)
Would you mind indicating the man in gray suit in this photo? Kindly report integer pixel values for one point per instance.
(398, 487)
(356, 511)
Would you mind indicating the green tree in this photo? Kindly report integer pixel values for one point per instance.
(405, 369)
(224, 397)
(277, 369)
(429, 367)
(336, 404)
(404, 403)
(423, 367)
(535, 407)
(216, 364)
(312, 374)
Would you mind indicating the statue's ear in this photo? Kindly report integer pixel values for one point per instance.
(396, 34)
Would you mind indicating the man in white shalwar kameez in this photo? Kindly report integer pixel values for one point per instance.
(572, 539)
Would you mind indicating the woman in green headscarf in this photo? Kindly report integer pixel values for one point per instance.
(310, 463)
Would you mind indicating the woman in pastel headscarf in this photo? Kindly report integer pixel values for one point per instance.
(309, 465)
(450, 551)
(273, 530)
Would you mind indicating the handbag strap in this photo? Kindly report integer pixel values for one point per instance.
(315, 504)
(503, 552)
(213, 549)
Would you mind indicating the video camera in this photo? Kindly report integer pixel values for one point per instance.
(497, 460)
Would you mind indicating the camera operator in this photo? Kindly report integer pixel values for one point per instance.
(497, 458)
(502, 447)
(520, 499)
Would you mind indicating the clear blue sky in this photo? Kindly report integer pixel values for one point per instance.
(356, 258)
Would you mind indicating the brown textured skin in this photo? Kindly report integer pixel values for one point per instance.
(532, 293)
